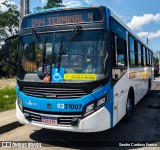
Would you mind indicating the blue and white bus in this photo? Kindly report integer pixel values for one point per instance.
(79, 69)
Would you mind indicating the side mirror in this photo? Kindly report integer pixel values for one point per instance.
(10, 50)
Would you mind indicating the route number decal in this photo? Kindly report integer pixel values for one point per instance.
(69, 106)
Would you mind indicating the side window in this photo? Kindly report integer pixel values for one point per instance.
(144, 56)
(119, 51)
(149, 62)
(149, 52)
(147, 57)
(151, 57)
(119, 58)
(132, 52)
(139, 53)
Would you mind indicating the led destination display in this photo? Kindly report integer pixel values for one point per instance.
(62, 17)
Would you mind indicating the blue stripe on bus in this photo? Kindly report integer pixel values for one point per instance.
(57, 104)
(108, 14)
(110, 104)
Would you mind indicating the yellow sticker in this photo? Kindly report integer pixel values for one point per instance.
(80, 76)
(138, 75)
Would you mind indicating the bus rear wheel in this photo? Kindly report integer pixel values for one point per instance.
(149, 88)
(129, 106)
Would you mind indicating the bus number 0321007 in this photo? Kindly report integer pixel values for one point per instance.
(69, 106)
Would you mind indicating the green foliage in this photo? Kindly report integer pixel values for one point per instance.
(53, 3)
(9, 22)
(37, 8)
(50, 4)
(156, 61)
(7, 99)
(156, 66)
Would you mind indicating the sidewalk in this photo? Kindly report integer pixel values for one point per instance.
(8, 121)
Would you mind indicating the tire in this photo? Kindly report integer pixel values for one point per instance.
(129, 106)
(149, 88)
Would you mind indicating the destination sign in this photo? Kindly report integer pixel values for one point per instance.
(62, 17)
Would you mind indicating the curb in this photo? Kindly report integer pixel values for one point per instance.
(10, 127)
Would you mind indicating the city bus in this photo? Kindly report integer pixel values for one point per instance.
(79, 69)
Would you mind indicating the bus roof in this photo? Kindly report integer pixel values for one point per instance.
(64, 8)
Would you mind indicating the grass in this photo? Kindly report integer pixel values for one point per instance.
(7, 99)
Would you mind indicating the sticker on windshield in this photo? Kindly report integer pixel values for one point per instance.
(57, 74)
(80, 76)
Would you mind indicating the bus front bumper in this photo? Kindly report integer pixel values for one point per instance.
(98, 121)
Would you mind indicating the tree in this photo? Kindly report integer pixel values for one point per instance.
(50, 4)
(53, 3)
(38, 8)
(9, 22)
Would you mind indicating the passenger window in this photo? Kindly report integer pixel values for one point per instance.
(144, 56)
(119, 49)
(121, 52)
(132, 51)
(151, 58)
(147, 57)
(139, 54)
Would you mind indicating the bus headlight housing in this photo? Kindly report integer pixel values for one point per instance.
(101, 102)
(89, 109)
(94, 106)
(20, 104)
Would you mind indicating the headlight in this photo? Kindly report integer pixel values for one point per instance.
(101, 102)
(20, 104)
(90, 108)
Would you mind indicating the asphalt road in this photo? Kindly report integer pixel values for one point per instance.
(143, 128)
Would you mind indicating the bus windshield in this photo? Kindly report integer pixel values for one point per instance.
(85, 59)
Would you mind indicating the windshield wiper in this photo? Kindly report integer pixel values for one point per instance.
(36, 37)
(64, 47)
(43, 50)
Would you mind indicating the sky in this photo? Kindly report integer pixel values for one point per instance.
(142, 16)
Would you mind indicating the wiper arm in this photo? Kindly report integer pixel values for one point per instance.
(36, 37)
(64, 47)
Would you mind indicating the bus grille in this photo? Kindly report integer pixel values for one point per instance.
(36, 117)
(62, 93)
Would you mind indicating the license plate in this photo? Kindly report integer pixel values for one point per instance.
(49, 120)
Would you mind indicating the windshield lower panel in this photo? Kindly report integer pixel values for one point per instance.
(54, 58)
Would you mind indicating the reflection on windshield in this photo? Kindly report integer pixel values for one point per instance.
(85, 60)
(86, 55)
(65, 46)
(33, 55)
